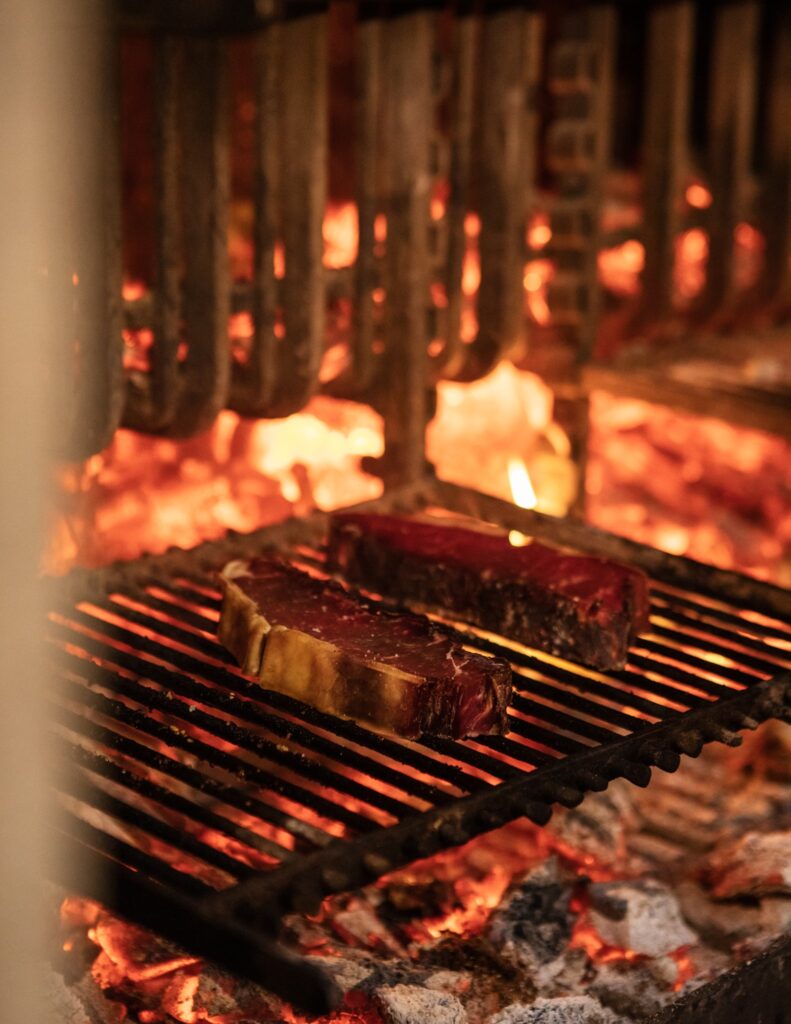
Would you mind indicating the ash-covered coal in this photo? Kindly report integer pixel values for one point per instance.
(727, 924)
(637, 989)
(533, 925)
(756, 864)
(642, 916)
(564, 1010)
(415, 1004)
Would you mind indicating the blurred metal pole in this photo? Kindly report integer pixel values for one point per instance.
(47, 112)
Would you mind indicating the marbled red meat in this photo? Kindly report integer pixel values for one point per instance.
(578, 607)
(395, 672)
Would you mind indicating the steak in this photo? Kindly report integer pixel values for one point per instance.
(578, 607)
(394, 672)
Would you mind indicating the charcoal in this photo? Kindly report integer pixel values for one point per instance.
(636, 989)
(563, 1010)
(723, 923)
(532, 927)
(359, 924)
(414, 1004)
(448, 981)
(347, 973)
(574, 606)
(757, 864)
(643, 916)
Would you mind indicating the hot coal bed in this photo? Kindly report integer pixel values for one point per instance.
(337, 214)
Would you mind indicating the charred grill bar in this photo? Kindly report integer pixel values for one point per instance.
(530, 119)
(148, 701)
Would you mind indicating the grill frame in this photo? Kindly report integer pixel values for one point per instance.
(244, 917)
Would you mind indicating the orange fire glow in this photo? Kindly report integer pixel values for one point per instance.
(690, 485)
(498, 434)
(699, 196)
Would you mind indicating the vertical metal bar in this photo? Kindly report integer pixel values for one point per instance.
(303, 176)
(501, 170)
(581, 75)
(205, 189)
(253, 385)
(465, 40)
(731, 117)
(152, 404)
(90, 270)
(369, 60)
(775, 202)
(582, 67)
(665, 149)
(355, 380)
(403, 392)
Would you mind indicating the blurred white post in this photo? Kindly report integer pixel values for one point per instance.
(45, 98)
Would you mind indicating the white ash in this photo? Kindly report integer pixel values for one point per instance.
(757, 864)
(62, 1004)
(564, 1010)
(347, 973)
(415, 1004)
(532, 927)
(643, 916)
(82, 1002)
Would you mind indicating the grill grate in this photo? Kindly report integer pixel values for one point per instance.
(232, 805)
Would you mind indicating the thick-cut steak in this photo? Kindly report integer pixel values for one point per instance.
(575, 606)
(395, 672)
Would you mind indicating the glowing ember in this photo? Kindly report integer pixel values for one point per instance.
(689, 275)
(340, 235)
(538, 274)
(699, 196)
(621, 266)
(690, 485)
(144, 494)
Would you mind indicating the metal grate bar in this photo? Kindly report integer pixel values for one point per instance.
(193, 718)
(664, 599)
(179, 840)
(196, 811)
(162, 720)
(205, 785)
(230, 703)
(124, 853)
(243, 770)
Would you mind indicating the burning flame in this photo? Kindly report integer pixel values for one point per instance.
(521, 485)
